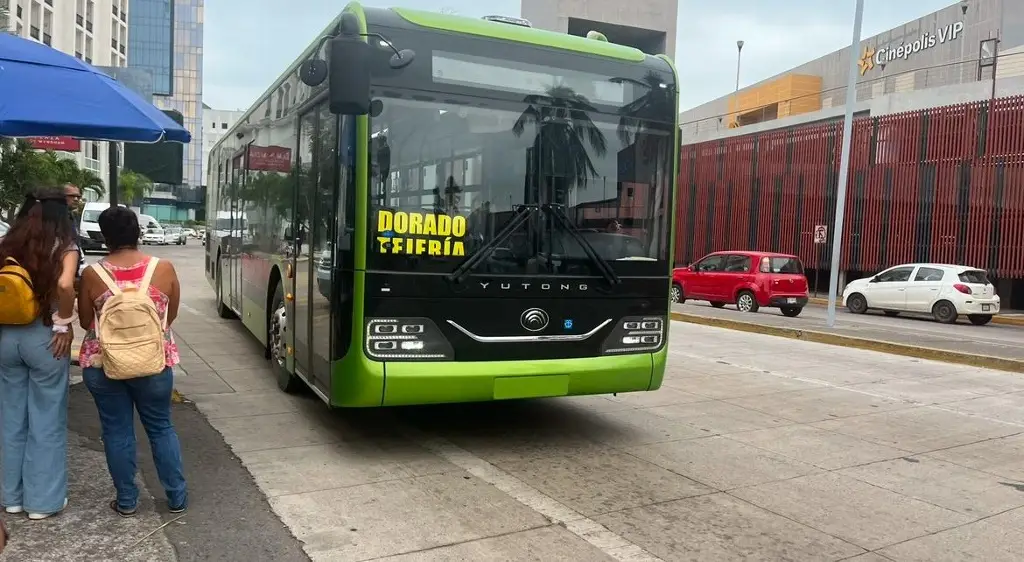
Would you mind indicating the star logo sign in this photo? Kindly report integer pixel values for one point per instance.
(867, 60)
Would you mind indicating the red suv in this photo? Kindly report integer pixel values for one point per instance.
(749, 280)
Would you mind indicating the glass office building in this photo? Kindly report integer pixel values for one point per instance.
(166, 38)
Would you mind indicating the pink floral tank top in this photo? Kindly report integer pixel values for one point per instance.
(123, 276)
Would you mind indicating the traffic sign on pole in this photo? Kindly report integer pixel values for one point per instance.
(820, 233)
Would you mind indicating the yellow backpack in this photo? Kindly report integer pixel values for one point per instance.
(18, 304)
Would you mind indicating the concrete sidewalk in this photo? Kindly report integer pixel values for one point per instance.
(228, 516)
(88, 529)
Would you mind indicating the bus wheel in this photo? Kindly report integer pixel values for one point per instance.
(277, 340)
(222, 309)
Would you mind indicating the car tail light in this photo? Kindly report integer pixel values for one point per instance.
(962, 288)
(766, 265)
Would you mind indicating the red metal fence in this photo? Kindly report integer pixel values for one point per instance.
(940, 185)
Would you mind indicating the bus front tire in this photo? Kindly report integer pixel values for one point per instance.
(277, 343)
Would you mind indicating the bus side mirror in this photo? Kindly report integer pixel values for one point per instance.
(349, 75)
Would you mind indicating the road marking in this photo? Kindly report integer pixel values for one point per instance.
(584, 527)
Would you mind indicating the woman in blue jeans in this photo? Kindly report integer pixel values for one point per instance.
(34, 359)
(117, 400)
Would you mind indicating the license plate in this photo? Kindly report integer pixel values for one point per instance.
(790, 301)
(986, 307)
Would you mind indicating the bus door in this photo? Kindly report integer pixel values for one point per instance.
(305, 260)
(229, 243)
(344, 246)
(323, 246)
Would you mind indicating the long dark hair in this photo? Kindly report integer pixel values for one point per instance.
(40, 233)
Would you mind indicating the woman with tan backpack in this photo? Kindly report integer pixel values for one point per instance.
(127, 302)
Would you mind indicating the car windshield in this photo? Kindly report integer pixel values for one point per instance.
(974, 276)
(91, 215)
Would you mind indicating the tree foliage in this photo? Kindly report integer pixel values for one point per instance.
(132, 186)
(24, 168)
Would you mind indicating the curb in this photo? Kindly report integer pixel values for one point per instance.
(1014, 320)
(919, 352)
(176, 397)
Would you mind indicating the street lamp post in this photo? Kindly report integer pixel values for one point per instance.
(739, 53)
(844, 164)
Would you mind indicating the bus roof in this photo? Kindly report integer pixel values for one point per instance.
(519, 34)
(451, 23)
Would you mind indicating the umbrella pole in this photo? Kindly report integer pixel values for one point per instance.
(112, 172)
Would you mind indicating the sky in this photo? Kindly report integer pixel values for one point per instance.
(249, 43)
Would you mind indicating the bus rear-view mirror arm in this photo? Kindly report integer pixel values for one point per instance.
(348, 67)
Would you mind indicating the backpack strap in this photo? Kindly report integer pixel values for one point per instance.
(106, 278)
(147, 277)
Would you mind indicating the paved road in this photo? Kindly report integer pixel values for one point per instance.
(991, 340)
(756, 448)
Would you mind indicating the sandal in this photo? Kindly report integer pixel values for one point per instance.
(122, 512)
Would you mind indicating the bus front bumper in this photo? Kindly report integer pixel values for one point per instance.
(409, 383)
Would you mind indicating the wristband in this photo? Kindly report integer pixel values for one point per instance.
(60, 329)
(58, 321)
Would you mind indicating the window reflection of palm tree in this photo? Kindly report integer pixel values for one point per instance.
(564, 131)
(565, 138)
(654, 106)
(635, 119)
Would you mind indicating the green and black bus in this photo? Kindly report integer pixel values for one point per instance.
(429, 208)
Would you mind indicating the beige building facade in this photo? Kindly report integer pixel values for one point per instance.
(649, 25)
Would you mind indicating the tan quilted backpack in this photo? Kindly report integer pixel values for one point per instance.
(129, 329)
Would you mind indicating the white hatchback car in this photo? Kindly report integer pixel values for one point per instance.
(944, 291)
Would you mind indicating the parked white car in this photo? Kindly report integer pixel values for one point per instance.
(154, 235)
(944, 291)
(174, 235)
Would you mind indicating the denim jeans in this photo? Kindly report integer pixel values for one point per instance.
(34, 402)
(116, 402)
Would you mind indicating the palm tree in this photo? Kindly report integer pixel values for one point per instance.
(133, 186)
(22, 167)
(564, 131)
(68, 172)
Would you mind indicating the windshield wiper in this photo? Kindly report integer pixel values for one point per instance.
(603, 267)
(521, 214)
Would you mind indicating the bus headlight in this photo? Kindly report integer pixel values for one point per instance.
(406, 339)
(635, 334)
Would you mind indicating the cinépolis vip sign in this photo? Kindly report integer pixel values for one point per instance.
(904, 50)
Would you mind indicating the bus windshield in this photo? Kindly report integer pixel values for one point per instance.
(448, 175)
